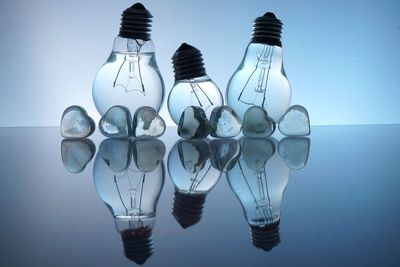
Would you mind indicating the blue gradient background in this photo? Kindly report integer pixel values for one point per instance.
(342, 57)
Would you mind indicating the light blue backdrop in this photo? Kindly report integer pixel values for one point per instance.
(341, 57)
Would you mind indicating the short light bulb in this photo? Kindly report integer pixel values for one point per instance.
(192, 87)
(193, 175)
(260, 79)
(130, 77)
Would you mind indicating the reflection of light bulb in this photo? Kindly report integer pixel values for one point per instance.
(260, 79)
(130, 77)
(130, 193)
(259, 180)
(193, 175)
(192, 85)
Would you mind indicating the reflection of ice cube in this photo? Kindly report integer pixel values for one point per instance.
(256, 152)
(116, 153)
(76, 154)
(193, 155)
(224, 153)
(294, 151)
(148, 154)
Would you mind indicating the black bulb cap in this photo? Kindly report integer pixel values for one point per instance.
(188, 208)
(188, 63)
(136, 23)
(138, 244)
(267, 30)
(265, 237)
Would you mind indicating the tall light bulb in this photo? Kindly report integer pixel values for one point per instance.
(258, 180)
(260, 78)
(130, 193)
(193, 175)
(130, 77)
(192, 85)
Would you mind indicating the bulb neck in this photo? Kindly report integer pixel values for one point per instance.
(188, 63)
(136, 23)
(267, 30)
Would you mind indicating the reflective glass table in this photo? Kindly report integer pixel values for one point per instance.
(327, 200)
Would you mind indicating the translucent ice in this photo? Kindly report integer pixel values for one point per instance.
(295, 122)
(116, 122)
(224, 153)
(147, 123)
(256, 123)
(256, 152)
(75, 123)
(76, 154)
(224, 122)
(194, 123)
(294, 151)
(148, 154)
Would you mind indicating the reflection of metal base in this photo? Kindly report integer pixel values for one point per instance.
(187, 208)
(138, 244)
(265, 237)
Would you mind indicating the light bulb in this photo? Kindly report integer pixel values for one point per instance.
(258, 180)
(260, 78)
(130, 77)
(193, 175)
(130, 193)
(192, 86)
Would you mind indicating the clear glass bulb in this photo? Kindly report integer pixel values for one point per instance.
(130, 193)
(192, 85)
(259, 180)
(130, 77)
(260, 78)
(193, 175)
(190, 167)
(127, 191)
(201, 92)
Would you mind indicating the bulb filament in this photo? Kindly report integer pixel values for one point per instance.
(264, 61)
(134, 192)
(264, 210)
(196, 182)
(133, 81)
(196, 90)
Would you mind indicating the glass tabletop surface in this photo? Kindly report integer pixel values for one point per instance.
(331, 199)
